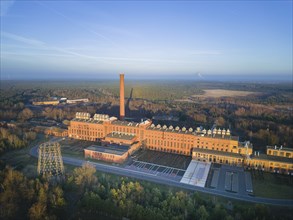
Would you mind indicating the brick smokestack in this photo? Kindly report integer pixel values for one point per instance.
(122, 105)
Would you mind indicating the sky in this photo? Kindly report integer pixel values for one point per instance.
(168, 39)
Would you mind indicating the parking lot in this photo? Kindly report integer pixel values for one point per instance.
(231, 179)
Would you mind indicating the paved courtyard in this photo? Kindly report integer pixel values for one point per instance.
(231, 179)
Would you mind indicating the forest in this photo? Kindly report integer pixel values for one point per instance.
(85, 194)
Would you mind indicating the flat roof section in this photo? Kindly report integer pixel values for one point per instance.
(109, 149)
(279, 148)
(196, 173)
(88, 120)
(215, 178)
(125, 123)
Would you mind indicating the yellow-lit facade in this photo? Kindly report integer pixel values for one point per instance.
(216, 145)
(218, 157)
(280, 152)
(46, 103)
(276, 159)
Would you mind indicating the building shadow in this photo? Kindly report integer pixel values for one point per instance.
(127, 108)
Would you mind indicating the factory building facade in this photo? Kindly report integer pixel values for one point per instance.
(213, 145)
(217, 146)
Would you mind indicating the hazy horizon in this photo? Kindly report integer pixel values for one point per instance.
(242, 40)
(191, 78)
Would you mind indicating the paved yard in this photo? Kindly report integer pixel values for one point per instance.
(230, 179)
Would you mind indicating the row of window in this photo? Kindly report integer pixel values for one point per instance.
(114, 128)
(101, 155)
(176, 137)
(156, 140)
(125, 129)
(183, 145)
(282, 154)
(168, 144)
(88, 133)
(92, 128)
(276, 165)
(169, 150)
(217, 158)
(170, 138)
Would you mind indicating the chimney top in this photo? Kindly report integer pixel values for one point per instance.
(122, 104)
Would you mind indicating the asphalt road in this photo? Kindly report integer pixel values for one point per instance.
(156, 179)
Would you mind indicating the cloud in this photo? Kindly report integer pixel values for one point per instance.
(5, 5)
(77, 24)
(32, 54)
(200, 75)
(22, 39)
(205, 52)
(112, 30)
(62, 52)
(37, 44)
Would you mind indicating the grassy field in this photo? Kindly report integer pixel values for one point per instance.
(74, 148)
(22, 161)
(273, 186)
(217, 93)
(70, 153)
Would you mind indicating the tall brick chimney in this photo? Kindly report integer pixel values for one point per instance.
(122, 105)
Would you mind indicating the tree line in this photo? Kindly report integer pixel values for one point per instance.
(264, 118)
(15, 138)
(85, 194)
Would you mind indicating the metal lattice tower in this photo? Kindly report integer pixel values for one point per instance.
(50, 161)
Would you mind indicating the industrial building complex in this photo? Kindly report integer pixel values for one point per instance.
(119, 138)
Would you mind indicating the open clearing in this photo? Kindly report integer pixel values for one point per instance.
(272, 185)
(216, 93)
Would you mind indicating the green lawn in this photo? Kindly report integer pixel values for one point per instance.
(69, 153)
(74, 148)
(22, 161)
(273, 186)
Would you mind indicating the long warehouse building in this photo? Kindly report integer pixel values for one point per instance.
(213, 145)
